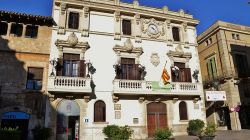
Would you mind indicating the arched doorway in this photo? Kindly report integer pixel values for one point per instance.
(156, 117)
(18, 120)
(68, 115)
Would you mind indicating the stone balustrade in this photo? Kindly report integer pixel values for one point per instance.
(69, 84)
(145, 87)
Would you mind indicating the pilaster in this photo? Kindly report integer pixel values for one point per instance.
(169, 36)
(117, 17)
(62, 18)
(84, 20)
(137, 29)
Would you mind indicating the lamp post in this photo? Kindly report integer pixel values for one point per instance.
(53, 62)
(91, 69)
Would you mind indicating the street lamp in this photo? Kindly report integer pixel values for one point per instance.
(91, 69)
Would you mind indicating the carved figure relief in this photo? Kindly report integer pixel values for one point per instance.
(72, 39)
(152, 28)
(154, 59)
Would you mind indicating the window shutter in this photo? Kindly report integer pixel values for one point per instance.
(209, 68)
(137, 75)
(99, 111)
(176, 34)
(188, 75)
(59, 67)
(82, 68)
(35, 73)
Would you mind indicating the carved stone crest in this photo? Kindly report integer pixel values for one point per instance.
(72, 39)
(154, 59)
(128, 45)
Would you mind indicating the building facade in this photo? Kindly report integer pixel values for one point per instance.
(24, 56)
(109, 57)
(223, 51)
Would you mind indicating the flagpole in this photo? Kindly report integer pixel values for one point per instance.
(163, 69)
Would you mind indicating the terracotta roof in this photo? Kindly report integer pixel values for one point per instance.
(27, 18)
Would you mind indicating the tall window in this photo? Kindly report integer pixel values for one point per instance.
(73, 21)
(99, 111)
(181, 75)
(4, 28)
(183, 110)
(126, 27)
(211, 68)
(242, 65)
(129, 69)
(31, 31)
(176, 33)
(35, 77)
(16, 29)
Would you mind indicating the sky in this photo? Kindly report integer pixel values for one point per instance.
(206, 11)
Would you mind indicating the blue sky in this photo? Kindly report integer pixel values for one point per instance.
(207, 11)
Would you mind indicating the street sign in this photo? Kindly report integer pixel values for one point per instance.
(216, 96)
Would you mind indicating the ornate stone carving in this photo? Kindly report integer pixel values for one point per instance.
(179, 52)
(63, 7)
(195, 100)
(86, 98)
(155, 59)
(115, 98)
(117, 16)
(165, 9)
(147, 22)
(137, 18)
(72, 39)
(128, 48)
(184, 24)
(86, 12)
(175, 100)
(141, 99)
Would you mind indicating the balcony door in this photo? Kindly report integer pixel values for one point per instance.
(184, 74)
(156, 117)
(129, 69)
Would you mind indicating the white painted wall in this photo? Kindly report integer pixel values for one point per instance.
(103, 58)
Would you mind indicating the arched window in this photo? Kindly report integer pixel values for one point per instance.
(176, 34)
(183, 110)
(99, 111)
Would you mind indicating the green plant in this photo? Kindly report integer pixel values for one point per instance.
(195, 127)
(41, 133)
(210, 129)
(10, 133)
(163, 134)
(115, 132)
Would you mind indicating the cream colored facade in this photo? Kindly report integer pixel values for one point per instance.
(99, 39)
(17, 55)
(225, 41)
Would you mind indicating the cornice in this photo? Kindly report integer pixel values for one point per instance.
(128, 8)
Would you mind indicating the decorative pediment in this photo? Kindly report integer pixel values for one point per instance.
(128, 48)
(72, 42)
(179, 53)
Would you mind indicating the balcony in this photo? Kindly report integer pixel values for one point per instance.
(63, 84)
(140, 87)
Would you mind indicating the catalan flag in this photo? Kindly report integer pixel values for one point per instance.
(165, 77)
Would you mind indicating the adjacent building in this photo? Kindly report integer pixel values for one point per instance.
(24, 60)
(107, 60)
(224, 50)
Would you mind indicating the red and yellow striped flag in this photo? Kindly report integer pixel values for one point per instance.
(164, 76)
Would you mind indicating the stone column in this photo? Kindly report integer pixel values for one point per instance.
(137, 28)
(117, 17)
(24, 30)
(9, 28)
(84, 22)
(184, 38)
(62, 18)
(83, 112)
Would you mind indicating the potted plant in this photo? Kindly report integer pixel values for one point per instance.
(114, 132)
(41, 133)
(195, 127)
(10, 133)
(163, 134)
(208, 133)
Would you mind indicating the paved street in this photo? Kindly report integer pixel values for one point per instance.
(223, 135)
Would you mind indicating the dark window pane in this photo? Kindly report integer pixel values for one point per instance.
(34, 78)
(73, 20)
(126, 27)
(3, 28)
(31, 31)
(16, 29)
(176, 34)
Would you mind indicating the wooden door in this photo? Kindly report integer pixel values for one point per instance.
(156, 117)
